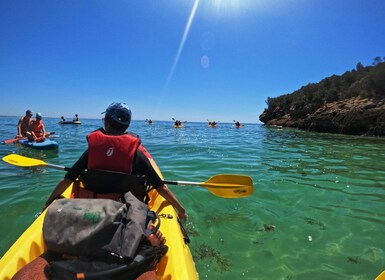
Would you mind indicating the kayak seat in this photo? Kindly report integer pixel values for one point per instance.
(106, 184)
(79, 191)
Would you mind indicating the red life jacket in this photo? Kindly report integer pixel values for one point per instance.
(37, 128)
(112, 152)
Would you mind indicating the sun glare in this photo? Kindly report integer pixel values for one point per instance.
(226, 7)
(241, 8)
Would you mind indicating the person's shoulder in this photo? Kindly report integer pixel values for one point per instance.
(141, 155)
(133, 135)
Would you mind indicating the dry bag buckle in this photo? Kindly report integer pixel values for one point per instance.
(168, 216)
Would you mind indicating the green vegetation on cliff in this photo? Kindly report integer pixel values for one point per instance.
(362, 82)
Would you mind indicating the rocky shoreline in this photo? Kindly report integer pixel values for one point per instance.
(354, 116)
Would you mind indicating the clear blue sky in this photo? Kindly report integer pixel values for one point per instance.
(185, 59)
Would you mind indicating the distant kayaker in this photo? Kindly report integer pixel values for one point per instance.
(63, 119)
(178, 123)
(76, 118)
(24, 124)
(36, 130)
(238, 124)
(113, 149)
(212, 123)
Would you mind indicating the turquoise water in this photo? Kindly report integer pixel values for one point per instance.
(324, 193)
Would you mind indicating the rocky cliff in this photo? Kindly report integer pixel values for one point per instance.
(355, 116)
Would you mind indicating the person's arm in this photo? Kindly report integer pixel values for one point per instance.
(19, 127)
(42, 132)
(30, 129)
(33, 134)
(43, 129)
(170, 197)
(143, 166)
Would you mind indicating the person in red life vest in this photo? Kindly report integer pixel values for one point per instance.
(24, 124)
(112, 148)
(36, 129)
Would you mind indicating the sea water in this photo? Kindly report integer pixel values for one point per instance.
(317, 211)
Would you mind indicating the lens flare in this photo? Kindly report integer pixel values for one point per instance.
(205, 62)
(182, 42)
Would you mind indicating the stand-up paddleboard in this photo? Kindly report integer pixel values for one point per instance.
(47, 144)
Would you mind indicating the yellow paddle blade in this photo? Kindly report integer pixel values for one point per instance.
(23, 161)
(229, 185)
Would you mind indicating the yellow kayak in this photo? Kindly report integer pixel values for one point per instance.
(381, 276)
(176, 264)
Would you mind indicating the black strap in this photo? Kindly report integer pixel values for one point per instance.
(103, 181)
(152, 216)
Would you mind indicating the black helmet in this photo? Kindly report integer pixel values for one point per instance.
(119, 112)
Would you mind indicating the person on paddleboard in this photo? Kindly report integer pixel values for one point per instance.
(24, 124)
(36, 130)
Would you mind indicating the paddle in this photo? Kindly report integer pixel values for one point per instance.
(223, 185)
(22, 161)
(175, 120)
(14, 140)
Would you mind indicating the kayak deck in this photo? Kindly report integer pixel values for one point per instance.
(176, 264)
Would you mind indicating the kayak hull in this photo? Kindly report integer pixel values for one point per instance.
(381, 276)
(176, 264)
(47, 144)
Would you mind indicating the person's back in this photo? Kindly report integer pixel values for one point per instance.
(119, 158)
(113, 149)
